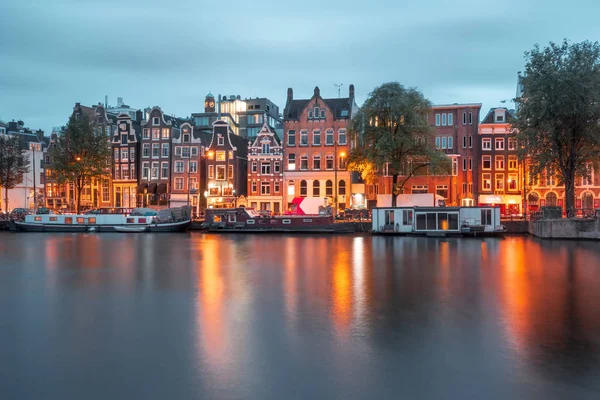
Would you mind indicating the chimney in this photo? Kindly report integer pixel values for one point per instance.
(105, 101)
(351, 91)
(218, 107)
(139, 115)
(119, 101)
(317, 91)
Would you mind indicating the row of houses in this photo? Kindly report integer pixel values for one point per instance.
(245, 152)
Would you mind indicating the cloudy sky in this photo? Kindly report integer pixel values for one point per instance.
(171, 53)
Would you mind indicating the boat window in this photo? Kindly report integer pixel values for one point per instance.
(431, 221)
(53, 219)
(407, 217)
(486, 217)
(130, 220)
(141, 220)
(442, 221)
(453, 221)
(80, 220)
(216, 218)
(92, 220)
(38, 218)
(232, 218)
(250, 222)
(389, 217)
(68, 220)
(307, 220)
(286, 221)
(421, 222)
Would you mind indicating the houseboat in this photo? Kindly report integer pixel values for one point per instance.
(171, 220)
(248, 220)
(437, 221)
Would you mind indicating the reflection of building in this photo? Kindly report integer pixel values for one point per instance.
(316, 147)
(455, 134)
(31, 188)
(500, 172)
(125, 146)
(265, 171)
(226, 166)
(244, 116)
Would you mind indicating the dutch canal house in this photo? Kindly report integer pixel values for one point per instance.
(155, 172)
(226, 166)
(62, 196)
(316, 149)
(125, 147)
(265, 174)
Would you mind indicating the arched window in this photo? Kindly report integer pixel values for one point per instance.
(587, 200)
(303, 189)
(329, 188)
(533, 199)
(551, 199)
(316, 188)
(342, 187)
(291, 191)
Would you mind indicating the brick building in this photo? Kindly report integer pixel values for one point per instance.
(125, 146)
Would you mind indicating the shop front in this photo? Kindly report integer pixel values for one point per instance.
(509, 204)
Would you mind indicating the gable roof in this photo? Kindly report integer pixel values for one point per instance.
(489, 118)
(265, 130)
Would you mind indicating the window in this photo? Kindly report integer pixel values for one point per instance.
(178, 151)
(499, 181)
(254, 167)
(186, 138)
(329, 161)
(444, 142)
(117, 172)
(486, 144)
(470, 141)
(438, 143)
(303, 162)
(317, 162)
(254, 187)
(276, 187)
(155, 134)
(316, 188)
(105, 191)
(155, 121)
(164, 170)
(512, 143)
(341, 163)
(231, 155)
(132, 154)
(464, 164)
(303, 138)
(416, 189)
(437, 120)
(291, 161)
(291, 188)
(329, 188)
(154, 170)
(342, 188)
(193, 166)
(310, 114)
(551, 199)
(166, 133)
(464, 118)
(211, 171)
(221, 172)
(442, 190)
(316, 138)
(194, 150)
(499, 162)
(454, 166)
(124, 138)
(486, 217)
(221, 155)
(291, 138)
(443, 119)
(470, 187)
(513, 182)
(486, 162)
(450, 141)
(124, 171)
(165, 150)
(342, 136)
(464, 188)
(265, 188)
(265, 168)
(303, 189)
(407, 217)
(178, 183)
(450, 120)
(499, 143)
(116, 154)
(486, 181)
(145, 170)
(179, 167)
(266, 148)
(470, 164)
(512, 162)
(230, 171)
(193, 183)
(185, 152)
(470, 118)
(464, 142)
(155, 150)
(277, 167)
(146, 134)
(329, 137)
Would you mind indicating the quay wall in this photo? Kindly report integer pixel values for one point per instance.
(515, 227)
(566, 228)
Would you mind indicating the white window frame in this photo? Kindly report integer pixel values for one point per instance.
(486, 144)
(498, 141)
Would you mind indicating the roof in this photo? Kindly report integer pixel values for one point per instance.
(489, 118)
(339, 107)
(456, 105)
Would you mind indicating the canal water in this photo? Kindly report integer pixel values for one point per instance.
(198, 316)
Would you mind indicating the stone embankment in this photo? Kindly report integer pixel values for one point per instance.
(566, 228)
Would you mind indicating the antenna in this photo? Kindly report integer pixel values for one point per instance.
(339, 87)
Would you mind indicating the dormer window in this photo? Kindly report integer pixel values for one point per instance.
(220, 140)
(499, 115)
(155, 121)
(317, 112)
(186, 138)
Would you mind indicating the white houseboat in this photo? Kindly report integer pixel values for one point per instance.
(437, 221)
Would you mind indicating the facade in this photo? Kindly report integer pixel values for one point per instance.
(500, 172)
(30, 192)
(125, 146)
(455, 133)
(244, 116)
(226, 167)
(316, 148)
(265, 171)
(156, 156)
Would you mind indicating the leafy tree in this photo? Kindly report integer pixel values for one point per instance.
(81, 154)
(14, 163)
(559, 112)
(391, 128)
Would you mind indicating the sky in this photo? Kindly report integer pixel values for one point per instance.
(172, 53)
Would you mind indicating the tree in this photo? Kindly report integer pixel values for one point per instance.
(391, 129)
(81, 154)
(14, 163)
(559, 112)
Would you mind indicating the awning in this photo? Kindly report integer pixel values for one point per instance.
(142, 187)
(500, 199)
(162, 188)
(152, 188)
